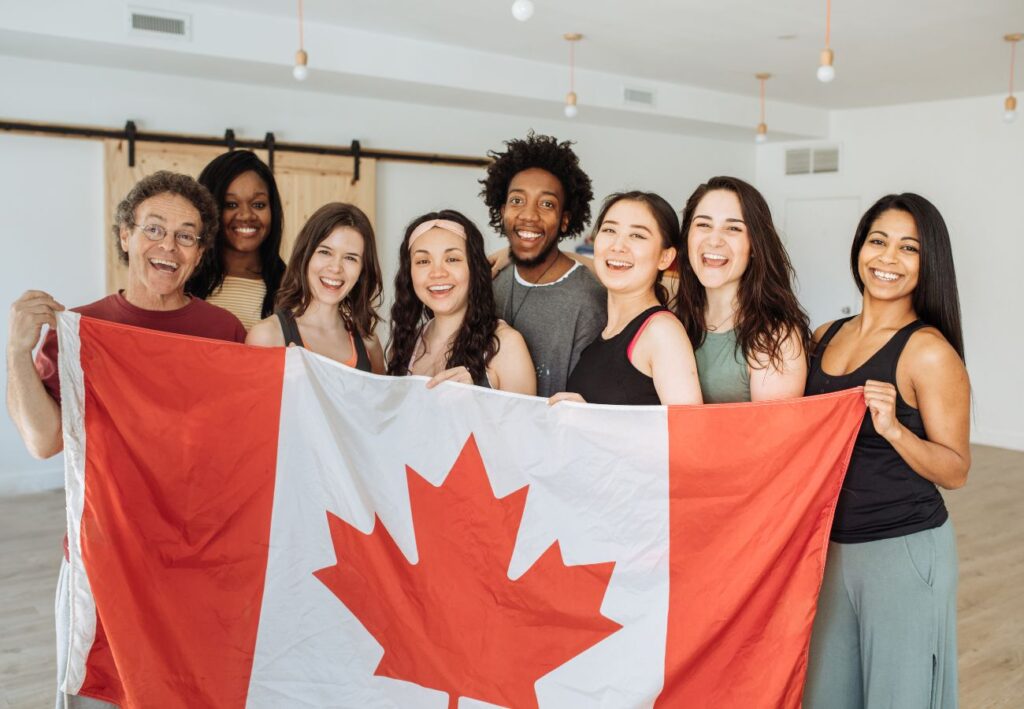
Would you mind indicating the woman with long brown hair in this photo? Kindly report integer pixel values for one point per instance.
(736, 298)
(329, 293)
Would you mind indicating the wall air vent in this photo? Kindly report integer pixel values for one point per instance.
(148, 22)
(637, 97)
(826, 160)
(804, 161)
(798, 161)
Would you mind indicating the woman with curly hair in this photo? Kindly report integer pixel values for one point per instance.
(443, 323)
(244, 270)
(537, 195)
(736, 297)
(328, 297)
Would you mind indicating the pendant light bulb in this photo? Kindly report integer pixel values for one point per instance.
(762, 134)
(826, 72)
(570, 105)
(1010, 106)
(300, 71)
(522, 10)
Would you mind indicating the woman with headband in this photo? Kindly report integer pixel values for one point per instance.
(443, 322)
(328, 296)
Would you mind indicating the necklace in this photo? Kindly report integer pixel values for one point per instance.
(511, 314)
(714, 328)
(419, 356)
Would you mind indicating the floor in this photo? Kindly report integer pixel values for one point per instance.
(988, 514)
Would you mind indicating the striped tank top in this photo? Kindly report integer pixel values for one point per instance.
(242, 297)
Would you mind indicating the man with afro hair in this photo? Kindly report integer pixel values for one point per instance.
(537, 195)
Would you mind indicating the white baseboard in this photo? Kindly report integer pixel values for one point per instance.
(1000, 438)
(23, 483)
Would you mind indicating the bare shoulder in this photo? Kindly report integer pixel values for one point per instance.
(512, 368)
(791, 349)
(509, 336)
(662, 334)
(266, 333)
(820, 331)
(664, 325)
(930, 352)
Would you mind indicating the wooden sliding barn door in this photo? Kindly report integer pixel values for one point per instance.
(306, 182)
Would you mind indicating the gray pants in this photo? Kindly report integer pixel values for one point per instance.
(62, 616)
(885, 632)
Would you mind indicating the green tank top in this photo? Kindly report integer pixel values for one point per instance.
(722, 370)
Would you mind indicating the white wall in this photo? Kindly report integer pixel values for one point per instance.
(51, 196)
(53, 188)
(961, 156)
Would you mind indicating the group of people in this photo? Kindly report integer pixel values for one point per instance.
(203, 259)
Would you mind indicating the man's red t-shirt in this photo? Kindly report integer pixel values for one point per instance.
(198, 318)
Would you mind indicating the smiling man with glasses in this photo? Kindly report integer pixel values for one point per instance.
(162, 229)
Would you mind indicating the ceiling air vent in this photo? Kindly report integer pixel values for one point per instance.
(144, 21)
(798, 161)
(826, 160)
(637, 97)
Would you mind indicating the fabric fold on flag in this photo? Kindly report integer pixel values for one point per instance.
(265, 527)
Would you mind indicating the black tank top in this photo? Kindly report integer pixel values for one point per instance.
(290, 330)
(882, 497)
(604, 374)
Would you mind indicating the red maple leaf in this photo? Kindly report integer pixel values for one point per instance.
(454, 621)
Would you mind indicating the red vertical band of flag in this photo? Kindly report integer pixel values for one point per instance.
(192, 444)
(744, 643)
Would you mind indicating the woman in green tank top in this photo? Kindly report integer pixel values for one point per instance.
(736, 299)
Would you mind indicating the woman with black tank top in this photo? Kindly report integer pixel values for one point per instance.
(443, 322)
(330, 290)
(643, 356)
(885, 630)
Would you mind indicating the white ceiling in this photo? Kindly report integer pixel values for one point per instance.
(887, 51)
(698, 57)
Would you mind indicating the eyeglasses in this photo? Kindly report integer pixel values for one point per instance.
(155, 232)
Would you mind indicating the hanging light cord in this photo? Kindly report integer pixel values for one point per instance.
(572, 67)
(762, 100)
(828, 23)
(1013, 59)
(301, 43)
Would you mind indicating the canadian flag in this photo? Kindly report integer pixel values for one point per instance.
(267, 528)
